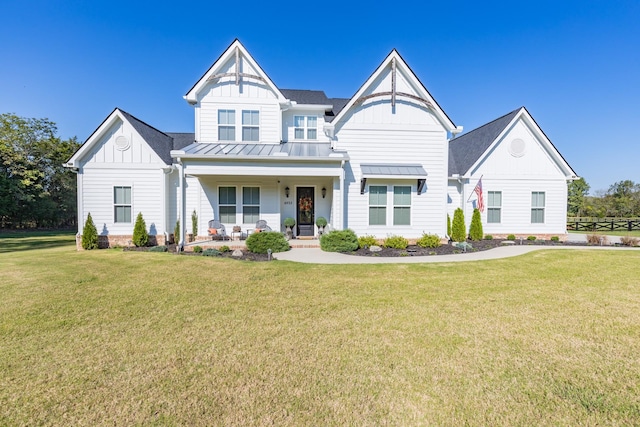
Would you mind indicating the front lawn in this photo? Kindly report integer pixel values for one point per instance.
(127, 338)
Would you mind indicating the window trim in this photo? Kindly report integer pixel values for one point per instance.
(251, 125)
(117, 205)
(400, 205)
(536, 209)
(251, 205)
(221, 205)
(378, 206)
(227, 126)
(306, 129)
(494, 208)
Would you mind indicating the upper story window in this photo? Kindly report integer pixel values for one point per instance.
(305, 127)
(226, 125)
(250, 125)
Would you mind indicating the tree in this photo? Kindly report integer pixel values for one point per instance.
(577, 191)
(448, 226)
(625, 198)
(194, 223)
(140, 235)
(458, 229)
(89, 234)
(475, 229)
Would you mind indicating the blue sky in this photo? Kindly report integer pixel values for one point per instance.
(574, 64)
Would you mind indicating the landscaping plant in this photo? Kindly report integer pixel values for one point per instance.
(396, 242)
(339, 241)
(260, 243)
(140, 235)
(428, 241)
(194, 223)
(458, 233)
(89, 234)
(367, 241)
(475, 229)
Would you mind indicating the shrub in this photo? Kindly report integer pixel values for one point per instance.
(475, 229)
(555, 239)
(160, 248)
(176, 232)
(197, 249)
(367, 241)
(428, 241)
(321, 221)
(488, 237)
(289, 222)
(89, 234)
(457, 227)
(531, 238)
(511, 237)
(629, 241)
(211, 252)
(225, 248)
(339, 241)
(448, 226)
(396, 242)
(260, 243)
(597, 239)
(140, 235)
(194, 223)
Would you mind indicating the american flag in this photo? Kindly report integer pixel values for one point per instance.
(478, 191)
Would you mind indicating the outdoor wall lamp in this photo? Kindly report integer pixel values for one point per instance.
(286, 192)
(324, 192)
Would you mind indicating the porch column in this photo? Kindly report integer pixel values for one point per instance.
(182, 209)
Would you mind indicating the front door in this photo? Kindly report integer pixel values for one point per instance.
(305, 210)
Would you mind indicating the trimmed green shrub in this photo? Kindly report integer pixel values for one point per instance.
(531, 238)
(395, 242)
(289, 222)
(197, 249)
(367, 241)
(475, 229)
(511, 237)
(225, 248)
(339, 241)
(176, 232)
(260, 243)
(458, 233)
(428, 241)
(89, 234)
(555, 239)
(448, 225)
(194, 223)
(211, 252)
(488, 237)
(321, 221)
(140, 235)
(160, 248)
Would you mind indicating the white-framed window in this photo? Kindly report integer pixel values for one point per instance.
(377, 205)
(250, 205)
(122, 204)
(494, 207)
(226, 125)
(401, 205)
(227, 204)
(250, 125)
(537, 207)
(305, 127)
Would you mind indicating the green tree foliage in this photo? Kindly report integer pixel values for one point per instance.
(89, 234)
(140, 235)
(261, 242)
(35, 189)
(475, 229)
(448, 225)
(621, 200)
(194, 223)
(339, 241)
(458, 229)
(577, 191)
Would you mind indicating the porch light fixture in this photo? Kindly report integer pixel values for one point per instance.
(286, 192)
(324, 192)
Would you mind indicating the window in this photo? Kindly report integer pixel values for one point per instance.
(494, 206)
(227, 204)
(377, 205)
(226, 125)
(122, 204)
(305, 127)
(537, 207)
(401, 205)
(250, 125)
(250, 205)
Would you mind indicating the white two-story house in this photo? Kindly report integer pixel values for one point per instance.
(386, 161)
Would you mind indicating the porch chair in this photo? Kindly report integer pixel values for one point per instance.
(261, 225)
(217, 230)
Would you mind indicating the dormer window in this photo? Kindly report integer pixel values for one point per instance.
(250, 125)
(305, 127)
(226, 125)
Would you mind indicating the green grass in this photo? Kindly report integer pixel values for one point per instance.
(635, 233)
(12, 241)
(131, 338)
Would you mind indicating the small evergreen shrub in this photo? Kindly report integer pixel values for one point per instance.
(176, 232)
(555, 239)
(89, 234)
(395, 242)
(629, 241)
(289, 222)
(260, 243)
(531, 238)
(321, 221)
(488, 237)
(194, 223)
(428, 241)
(160, 248)
(339, 241)
(140, 235)
(197, 249)
(475, 229)
(511, 237)
(211, 252)
(225, 248)
(448, 225)
(367, 241)
(458, 233)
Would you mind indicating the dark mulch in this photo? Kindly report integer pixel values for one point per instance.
(247, 256)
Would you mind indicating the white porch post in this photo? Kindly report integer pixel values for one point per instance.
(183, 208)
(342, 210)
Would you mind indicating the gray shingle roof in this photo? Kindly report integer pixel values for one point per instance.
(301, 96)
(290, 150)
(466, 149)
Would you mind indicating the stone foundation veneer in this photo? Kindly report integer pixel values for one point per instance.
(111, 241)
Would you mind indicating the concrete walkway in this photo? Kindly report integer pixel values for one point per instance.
(318, 256)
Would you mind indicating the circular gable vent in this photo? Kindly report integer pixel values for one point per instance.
(517, 148)
(122, 143)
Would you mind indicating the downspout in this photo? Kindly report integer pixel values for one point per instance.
(342, 197)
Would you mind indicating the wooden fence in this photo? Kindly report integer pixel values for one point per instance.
(603, 224)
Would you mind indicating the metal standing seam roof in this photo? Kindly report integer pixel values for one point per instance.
(290, 150)
(392, 169)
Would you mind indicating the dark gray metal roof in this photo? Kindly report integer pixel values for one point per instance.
(263, 151)
(393, 169)
(466, 149)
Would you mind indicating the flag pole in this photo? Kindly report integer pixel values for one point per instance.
(474, 188)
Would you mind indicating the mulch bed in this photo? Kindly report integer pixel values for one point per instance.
(247, 256)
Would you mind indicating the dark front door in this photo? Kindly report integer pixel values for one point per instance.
(304, 196)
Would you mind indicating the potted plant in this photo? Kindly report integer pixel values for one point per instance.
(289, 223)
(321, 222)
